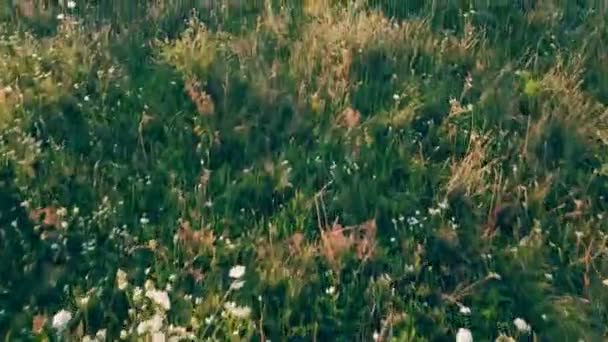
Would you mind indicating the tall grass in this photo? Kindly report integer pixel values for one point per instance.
(314, 170)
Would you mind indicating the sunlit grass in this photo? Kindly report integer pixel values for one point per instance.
(330, 170)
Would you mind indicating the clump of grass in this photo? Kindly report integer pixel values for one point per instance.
(322, 170)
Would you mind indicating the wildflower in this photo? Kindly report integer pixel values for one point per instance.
(62, 212)
(548, 276)
(101, 334)
(605, 282)
(86, 98)
(237, 271)
(144, 220)
(412, 221)
(522, 325)
(138, 294)
(61, 319)
(159, 297)
(464, 335)
(121, 279)
(376, 336)
(71, 4)
(494, 275)
(396, 97)
(123, 334)
(236, 285)
(84, 302)
(434, 211)
(237, 311)
(330, 290)
(465, 310)
(158, 337)
(209, 320)
(151, 325)
(60, 16)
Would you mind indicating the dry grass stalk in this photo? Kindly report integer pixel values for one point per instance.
(470, 173)
(202, 100)
(194, 242)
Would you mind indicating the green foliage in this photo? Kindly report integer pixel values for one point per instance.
(331, 170)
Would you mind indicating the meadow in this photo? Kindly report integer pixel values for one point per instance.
(278, 170)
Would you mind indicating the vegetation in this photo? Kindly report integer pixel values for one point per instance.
(303, 170)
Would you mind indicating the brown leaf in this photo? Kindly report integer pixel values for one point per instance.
(334, 244)
(203, 101)
(46, 216)
(38, 323)
(295, 243)
(194, 241)
(579, 209)
(366, 244)
(350, 118)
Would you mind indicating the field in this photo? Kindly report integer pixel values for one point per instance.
(273, 170)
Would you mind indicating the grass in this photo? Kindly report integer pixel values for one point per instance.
(315, 170)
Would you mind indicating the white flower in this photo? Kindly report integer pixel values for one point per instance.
(87, 338)
(237, 284)
(158, 337)
(71, 4)
(137, 294)
(330, 290)
(237, 311)
(237, 271)
(61, 319)
(101, 335)
(152, 325)
(412, 221)
(159, 297)
(395, 97)
(144, 220)
(86, 98)
(465, 310)
(60, 16)
(123, 334)
(605, 282)
(376, 336)
(84, 301)
(464, 335)
(121, 279)
(494, 275)
(434, 211)
(522, 325)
